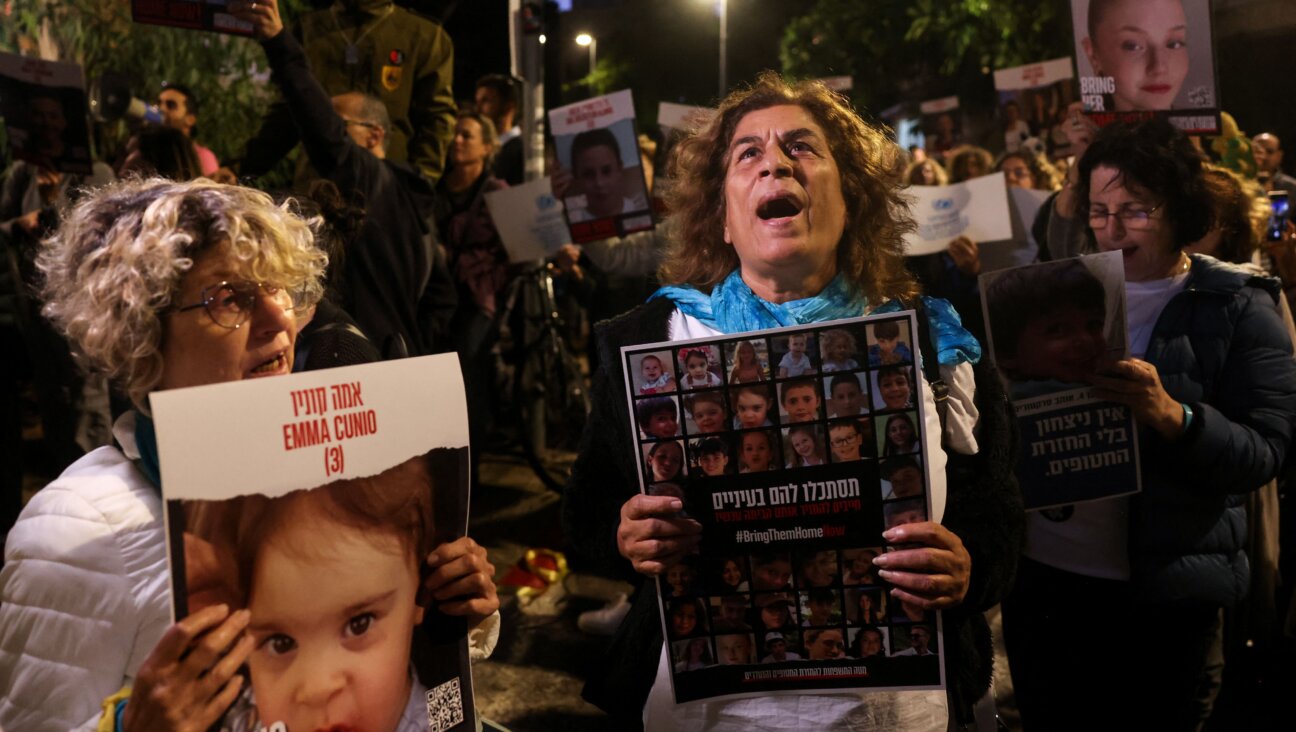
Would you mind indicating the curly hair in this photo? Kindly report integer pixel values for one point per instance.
(962, 159)
(1157, 157)
(871, 252)
(1044, 177)
(119, 257)
(1240, 213)
(913, 173)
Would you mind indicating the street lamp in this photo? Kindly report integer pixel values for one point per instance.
(724, 41)
(586, 39)
(722, 10)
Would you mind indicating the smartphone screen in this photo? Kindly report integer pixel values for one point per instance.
(1277, 215)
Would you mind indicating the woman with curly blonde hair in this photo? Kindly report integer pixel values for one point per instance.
(787, 211)
(159, 285)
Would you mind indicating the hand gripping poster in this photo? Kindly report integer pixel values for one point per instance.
(602, 179)
(1051, 327)
(795, 449)
(312, 501)
(1143, 58)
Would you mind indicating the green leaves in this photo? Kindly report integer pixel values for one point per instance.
(898, 49)
(99, 34)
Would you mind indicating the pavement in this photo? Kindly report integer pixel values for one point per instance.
(533, 680)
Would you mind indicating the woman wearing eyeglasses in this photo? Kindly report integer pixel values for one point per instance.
(160, 285)
(1212, 384)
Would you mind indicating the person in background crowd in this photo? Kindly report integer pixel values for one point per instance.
(380, 49)
(968, 162)
(925, 172)
(1268, 152)
(1016, 130)
(1239, 217)
(179, 109)
(944, 137)
(74, 407)
(398, 286)
(806, 146)
(497, 99)
(164, 152)
(1212, 384)
(951, 274)
(1024, 169)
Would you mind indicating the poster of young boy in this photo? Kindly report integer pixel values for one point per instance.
(1051, 326)
(322, 515)
(1142, 58)
(790, 494)
(977, 209)
(208, 15)
(598, 151)
(1033, 103)
(45, 113)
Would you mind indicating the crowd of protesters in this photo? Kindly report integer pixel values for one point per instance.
(389, 250)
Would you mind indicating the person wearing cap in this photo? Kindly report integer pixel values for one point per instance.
(775, 610)
(776, 646)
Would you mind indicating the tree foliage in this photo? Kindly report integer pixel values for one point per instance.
(226, 73)
(909, 50)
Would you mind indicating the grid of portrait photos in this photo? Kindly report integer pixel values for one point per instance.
(712, 412)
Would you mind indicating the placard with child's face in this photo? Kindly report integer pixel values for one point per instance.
(1052, 328)
(794, 449)
(1143, 58)
(598, 149)
(347, 483)
(45, 112)
(1033, 101)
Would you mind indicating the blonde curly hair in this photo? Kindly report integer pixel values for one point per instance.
(115, 264)
(871, 251)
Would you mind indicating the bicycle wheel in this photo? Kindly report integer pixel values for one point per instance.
(554, 405)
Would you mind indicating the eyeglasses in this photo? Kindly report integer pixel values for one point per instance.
(1133, 218)
(845, 441)
(357, 122)
(230, 304)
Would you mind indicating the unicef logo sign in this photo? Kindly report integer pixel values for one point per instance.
(943, 204)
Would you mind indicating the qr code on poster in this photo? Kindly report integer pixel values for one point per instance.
(444, 706)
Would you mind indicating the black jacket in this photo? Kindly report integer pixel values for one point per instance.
(1220, 346)
(983, 508)
(398, 287)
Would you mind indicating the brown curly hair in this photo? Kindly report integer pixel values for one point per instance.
(871, 252)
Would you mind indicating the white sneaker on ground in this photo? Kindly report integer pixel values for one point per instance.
(607, 619)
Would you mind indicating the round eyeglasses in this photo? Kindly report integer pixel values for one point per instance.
(230, 304)
(1132, 217)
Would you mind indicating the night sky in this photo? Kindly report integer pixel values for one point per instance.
(671, 46)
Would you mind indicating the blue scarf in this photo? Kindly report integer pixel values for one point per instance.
(146, 441)
(732, 307)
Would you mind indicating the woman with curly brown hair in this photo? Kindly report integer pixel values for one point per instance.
(788, 212)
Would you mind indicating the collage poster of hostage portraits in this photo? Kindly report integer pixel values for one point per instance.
(316, 516)
(795, 449)
(1050, 327)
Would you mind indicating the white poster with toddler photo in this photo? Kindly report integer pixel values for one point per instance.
(323, 522)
